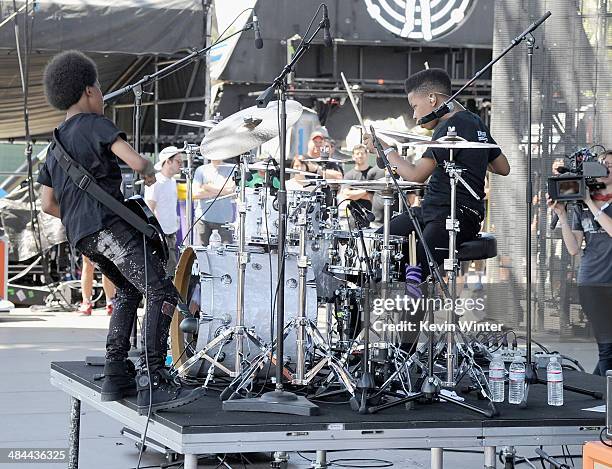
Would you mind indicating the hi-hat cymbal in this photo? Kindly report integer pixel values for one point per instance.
(209, 124)
(245, 130)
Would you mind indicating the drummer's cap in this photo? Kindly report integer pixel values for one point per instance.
(165, 155)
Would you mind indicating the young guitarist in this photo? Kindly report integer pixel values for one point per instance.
(93, 141)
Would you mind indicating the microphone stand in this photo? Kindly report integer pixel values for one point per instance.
(279, 400)
(444, 107)
(531, 369)
(137, 89)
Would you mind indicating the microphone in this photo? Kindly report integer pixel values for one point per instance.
(258, 39)
(363, 216)
(327, 38)
(435, 114)
(554, 220)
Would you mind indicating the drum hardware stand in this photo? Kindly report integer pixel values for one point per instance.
(191, 151)
(431, 389)
(305, 328)
(279, 400)
(239, 330)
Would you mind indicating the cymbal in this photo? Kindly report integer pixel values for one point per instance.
(453, 142)
(209, 124)
(326, 160)
(400, 135)
(382, 184)
(263, 166)
(246, 129)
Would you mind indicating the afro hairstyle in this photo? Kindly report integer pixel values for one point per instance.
(432, 80)
(66, 77)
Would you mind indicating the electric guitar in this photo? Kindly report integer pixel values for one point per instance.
(158, 242)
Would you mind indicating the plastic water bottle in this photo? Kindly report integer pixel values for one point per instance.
(554, 378)
(497, 376)
(214, 242)
(516, 390)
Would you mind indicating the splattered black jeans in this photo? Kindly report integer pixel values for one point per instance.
(120, 254)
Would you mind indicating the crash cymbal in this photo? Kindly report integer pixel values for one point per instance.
(209, 124)
(453, 142)
(245, 130)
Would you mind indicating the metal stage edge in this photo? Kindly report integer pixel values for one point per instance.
(334, 438)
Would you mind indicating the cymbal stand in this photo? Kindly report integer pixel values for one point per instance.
(280, 400)
(190, 150)
(306, 331)
(237, 332)
(431, 387)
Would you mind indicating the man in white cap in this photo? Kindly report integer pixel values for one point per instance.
(161, 198)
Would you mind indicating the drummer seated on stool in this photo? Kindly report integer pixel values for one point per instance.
(427, 90)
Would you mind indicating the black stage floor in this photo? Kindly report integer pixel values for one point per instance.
(206, 415)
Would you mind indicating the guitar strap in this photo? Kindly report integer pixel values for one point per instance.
(87, 183)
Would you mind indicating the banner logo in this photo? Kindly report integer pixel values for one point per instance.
(419, 19)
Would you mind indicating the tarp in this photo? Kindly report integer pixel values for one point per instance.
(127, 26)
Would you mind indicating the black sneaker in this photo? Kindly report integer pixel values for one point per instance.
(119, 380)
(165, 394)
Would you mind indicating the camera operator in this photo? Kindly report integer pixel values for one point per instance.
(593, 225)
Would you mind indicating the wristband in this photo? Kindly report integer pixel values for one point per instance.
(387, 151)
(149, 170)
(601, 210)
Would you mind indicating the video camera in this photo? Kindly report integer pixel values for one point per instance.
(578, 175)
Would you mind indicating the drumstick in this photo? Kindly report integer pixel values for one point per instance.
(353, 102)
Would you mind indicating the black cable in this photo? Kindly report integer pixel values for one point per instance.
(601, 438)
(378, 463)
(143, 334)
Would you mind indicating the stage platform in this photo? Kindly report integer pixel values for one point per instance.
(204, 428)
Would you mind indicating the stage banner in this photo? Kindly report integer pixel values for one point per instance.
(224, 13)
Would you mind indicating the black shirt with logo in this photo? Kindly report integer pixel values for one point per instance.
(474, 162)
(87, 137)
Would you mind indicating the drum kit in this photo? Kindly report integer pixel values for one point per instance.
(331, 276)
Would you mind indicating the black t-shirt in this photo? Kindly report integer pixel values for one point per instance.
(437, 196)
(369, 174)
(87, 138)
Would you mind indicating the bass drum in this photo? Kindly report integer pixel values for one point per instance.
(213, 277)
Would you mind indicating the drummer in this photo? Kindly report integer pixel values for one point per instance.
(427, 90)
